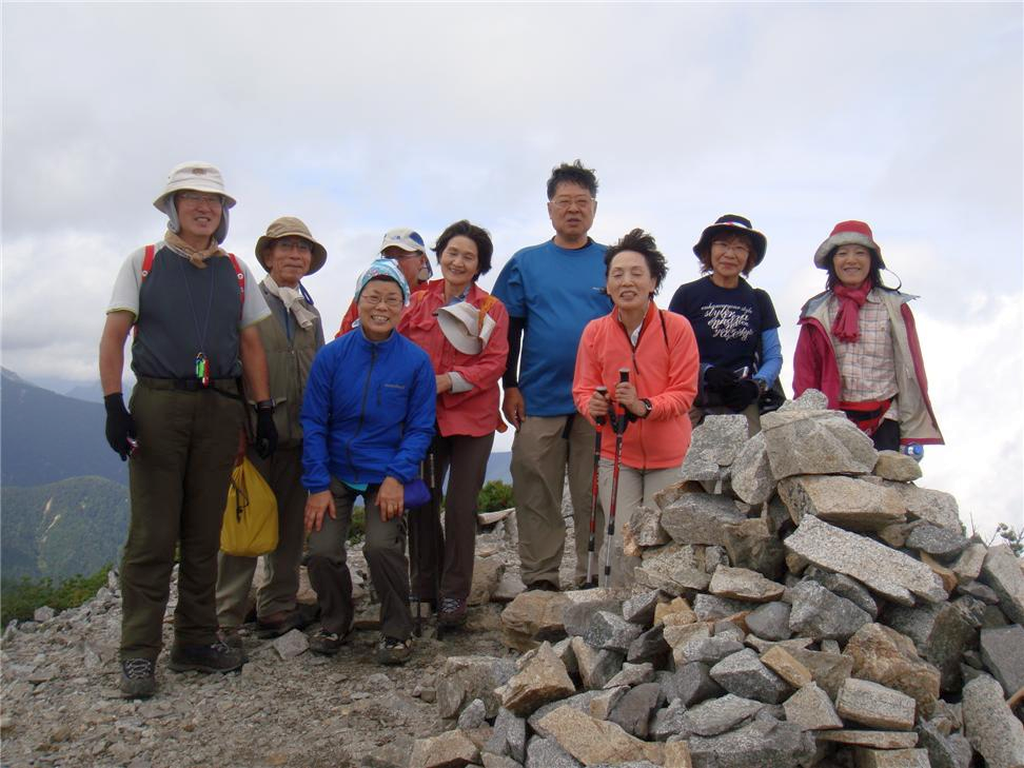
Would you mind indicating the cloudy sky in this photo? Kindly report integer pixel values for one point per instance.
(362, 117)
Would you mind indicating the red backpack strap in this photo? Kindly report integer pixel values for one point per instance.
(147, 262)
(240, 276)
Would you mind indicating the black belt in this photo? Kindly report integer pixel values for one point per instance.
(220, 386)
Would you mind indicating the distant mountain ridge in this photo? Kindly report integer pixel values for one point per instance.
(46, 437)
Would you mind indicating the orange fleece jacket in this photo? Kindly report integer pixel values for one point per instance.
(663, 367)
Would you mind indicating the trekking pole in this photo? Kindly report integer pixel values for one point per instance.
(438, 542)
(591, 553)
(618, 426)
(414, 557)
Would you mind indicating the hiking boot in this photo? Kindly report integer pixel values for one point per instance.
(279, 623)
(391, 650)
(452, 613)
(231, 637)
(215, 657)
(326, 643)
(138, 678)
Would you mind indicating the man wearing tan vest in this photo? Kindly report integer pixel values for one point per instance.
(291, 337)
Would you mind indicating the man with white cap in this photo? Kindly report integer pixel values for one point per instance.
(406, 248)
(291, 338)
(194, 308)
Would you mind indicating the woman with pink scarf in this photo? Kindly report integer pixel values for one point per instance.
(858, 345)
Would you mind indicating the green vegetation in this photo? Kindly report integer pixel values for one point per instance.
(1012, 537)
(19, 600)
(495, 496)
(62, 529)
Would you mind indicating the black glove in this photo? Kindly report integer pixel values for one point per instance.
(120, 426)
(741, 394)
(718, 378)
(266, 432)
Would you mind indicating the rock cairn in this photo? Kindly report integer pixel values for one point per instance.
(795, 601)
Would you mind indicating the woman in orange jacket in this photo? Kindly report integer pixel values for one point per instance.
(660, 352)
(464, 330)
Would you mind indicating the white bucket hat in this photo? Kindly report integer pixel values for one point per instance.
(196, 176)
(466, 327)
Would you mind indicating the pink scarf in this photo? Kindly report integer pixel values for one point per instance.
(845, 327)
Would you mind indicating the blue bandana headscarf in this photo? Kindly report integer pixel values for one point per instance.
(386, 269)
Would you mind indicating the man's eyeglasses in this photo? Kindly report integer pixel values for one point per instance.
(196, 197)
(391, 302)
(564, 203)
(294, 245)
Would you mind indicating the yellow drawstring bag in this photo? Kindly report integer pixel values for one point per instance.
(250, 516)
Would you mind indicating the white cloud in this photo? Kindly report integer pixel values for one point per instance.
(908, 116)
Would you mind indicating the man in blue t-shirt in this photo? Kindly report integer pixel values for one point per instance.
(552, 291)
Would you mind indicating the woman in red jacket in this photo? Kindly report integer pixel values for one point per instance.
(858, 344)
(660, 352)
(464, 330)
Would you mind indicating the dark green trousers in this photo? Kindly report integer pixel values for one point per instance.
(178, 479)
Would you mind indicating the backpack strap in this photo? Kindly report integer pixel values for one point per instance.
(240, 276)
(147, 262)
(485, 305)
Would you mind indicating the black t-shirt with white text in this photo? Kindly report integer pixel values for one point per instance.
(728, 322)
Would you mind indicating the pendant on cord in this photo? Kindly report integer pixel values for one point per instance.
(202, 369)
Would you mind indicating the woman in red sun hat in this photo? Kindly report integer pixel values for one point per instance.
(858, 345)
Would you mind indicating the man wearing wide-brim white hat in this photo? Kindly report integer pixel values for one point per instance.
(194, 308)
(291, 337)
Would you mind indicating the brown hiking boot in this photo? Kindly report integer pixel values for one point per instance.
(138, 678)
(452, 613)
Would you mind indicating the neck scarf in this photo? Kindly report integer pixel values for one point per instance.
(846, 327)
(196, 257)
(292, 300)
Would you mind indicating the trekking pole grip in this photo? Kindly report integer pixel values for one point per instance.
(603, 391)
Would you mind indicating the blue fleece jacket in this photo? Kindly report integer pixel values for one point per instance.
(368, 411)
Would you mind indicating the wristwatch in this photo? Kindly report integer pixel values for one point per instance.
(265, 405)
(648, 406)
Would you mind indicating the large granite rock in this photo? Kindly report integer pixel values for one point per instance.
(699, 518)
(1002, 650)
(843, 586)
(720, 715)
(541, 678)
(582, 605)
(850, 503)
(744, 584)
(875, 705)
(596, 667)
(645, 523)
(714, 444)
(990, 726)
(1001, 571)
(451, 749)
(690, 684)
(968, 566)
(610, 632)
(936, 540)
(533, 617)
(892, 758)
(770, 621)
(754, 544)
(784, 664)
(764, 743)
(884, 656)
(633, 711)
(893, 465)
(829, 670)
(944, 750)
(936, 507)
(811, 709)
(752, 478)
(743, 674)
(593, 741)
(465, 678)
(941, 633)
(888, 572)
(822, 615)
(508, 738)
(545, 753)
(815, 443)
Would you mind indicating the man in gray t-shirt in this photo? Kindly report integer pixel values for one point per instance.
(194, 309)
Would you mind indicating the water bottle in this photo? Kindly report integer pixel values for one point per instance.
(913, 450)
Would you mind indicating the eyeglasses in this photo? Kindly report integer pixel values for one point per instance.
(406, 255)
(738, 248)
(294, 245)
(564, 203)
(391, 302)
(195, 198)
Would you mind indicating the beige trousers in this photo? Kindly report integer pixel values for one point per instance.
(543, 450)
(637, 488)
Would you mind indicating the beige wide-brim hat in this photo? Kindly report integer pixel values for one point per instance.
(197, 176)
(464, 326)
(290, 226)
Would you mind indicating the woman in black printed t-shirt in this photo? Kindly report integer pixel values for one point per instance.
(735, 324)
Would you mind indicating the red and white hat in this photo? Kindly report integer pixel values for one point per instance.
(847, 233)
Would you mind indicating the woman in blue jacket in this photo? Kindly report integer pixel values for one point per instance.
(367, 419)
